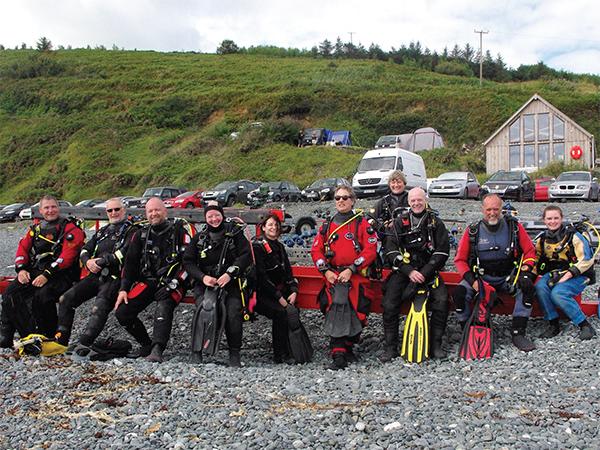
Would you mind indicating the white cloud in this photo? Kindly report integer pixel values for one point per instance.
(524, 32)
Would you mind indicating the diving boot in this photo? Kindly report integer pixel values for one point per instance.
(339, 361)
(437, 327)
(552, 330)
(6, 341)
(196, 358)
(522, 342)
(141, 352)
(391, 346)
(156, 355)
(586, 332)
(234, 357)
(351, 357)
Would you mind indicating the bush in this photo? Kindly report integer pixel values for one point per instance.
(173, 112)
(454, 68)
(39, 65)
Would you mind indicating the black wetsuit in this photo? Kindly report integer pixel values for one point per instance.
(110, 244)
(206, 255)
(424, 238)
(274, 281)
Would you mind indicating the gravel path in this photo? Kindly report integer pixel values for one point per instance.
(545, 399)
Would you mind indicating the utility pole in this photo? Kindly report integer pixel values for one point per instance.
(351, 33)
(481, 33)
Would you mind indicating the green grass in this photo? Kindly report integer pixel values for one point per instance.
(102, 123)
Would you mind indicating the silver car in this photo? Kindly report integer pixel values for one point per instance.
(455, 184)
(574, 185)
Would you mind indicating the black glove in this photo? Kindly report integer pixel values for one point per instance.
(554, 278)
(526, 280)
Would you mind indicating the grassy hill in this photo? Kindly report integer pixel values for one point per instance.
(84, 123)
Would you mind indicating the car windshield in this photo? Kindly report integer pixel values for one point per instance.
(453, 176)
(574, 176)
(223, 185)
(323, 183)
(152, 192)
(185, 194)
(380, 163)
(506, 176)
(386, 140)
(13, 206)
(272, 184)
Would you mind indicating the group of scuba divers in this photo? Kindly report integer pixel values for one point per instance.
(131, 265)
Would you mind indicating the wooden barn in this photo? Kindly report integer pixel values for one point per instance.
(536, 135)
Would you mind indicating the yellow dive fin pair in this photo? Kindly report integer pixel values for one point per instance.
(415, 341)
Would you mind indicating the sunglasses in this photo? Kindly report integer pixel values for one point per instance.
(113, 210)
(341, 197)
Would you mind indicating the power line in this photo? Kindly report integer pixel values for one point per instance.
(481, 33)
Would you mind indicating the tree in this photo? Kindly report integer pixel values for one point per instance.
(468, 53)
(2, 47)
(23, 46)
(325, 48)
(227, 47)
(338, 51)
(44, 44)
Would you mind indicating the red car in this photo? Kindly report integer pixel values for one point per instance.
(541, 189)
(191, 199)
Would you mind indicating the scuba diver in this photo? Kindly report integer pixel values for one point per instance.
(218, 259)
(387, 208)
(46, 266)
(153, 272)
(342, 251)
(566, 265)
(495, 253)
(417, 248)
(103, 257)
(276, 293)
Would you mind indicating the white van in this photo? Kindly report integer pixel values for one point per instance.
(371, 178)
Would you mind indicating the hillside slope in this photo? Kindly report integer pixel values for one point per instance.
(84, 123)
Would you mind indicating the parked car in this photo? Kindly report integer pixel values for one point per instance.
(27, 213)
(229, 192)
(323, 189)
(11, 212)
(375, 167)
(125, 199)
(577, 185)
(160, 192)
(541, 188)
(455, 184)
(89, 203)
(390, 140)
(514, 185)
(275, 191)
(190, 199)
(315, 136)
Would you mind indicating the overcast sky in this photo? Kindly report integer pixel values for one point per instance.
(564, 34)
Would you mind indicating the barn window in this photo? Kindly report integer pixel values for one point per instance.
(558, 128)
(528, 156)
(514, 157)
(515, 131)
(543, 127)
(543, 155)
(558, 153)
(528, 128)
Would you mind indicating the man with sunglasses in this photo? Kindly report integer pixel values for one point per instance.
(102, 256)
(343, 249)
(46, 265)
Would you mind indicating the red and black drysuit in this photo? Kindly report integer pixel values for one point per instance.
(109, 244)
(498, 252)
(50, 249)
(338, 246)
(153, 272)
(274, 280)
